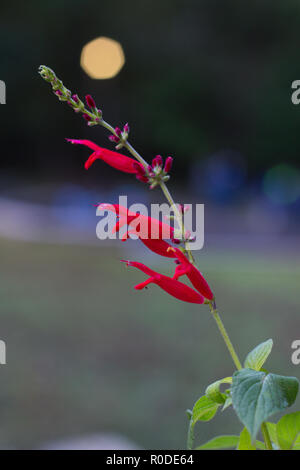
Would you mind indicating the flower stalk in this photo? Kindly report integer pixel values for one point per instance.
(224, 334)
(154, 175)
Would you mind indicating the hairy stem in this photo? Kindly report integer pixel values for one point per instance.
(225, 336)
(215, 314)
(178, 217)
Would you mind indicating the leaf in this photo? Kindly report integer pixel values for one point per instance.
(213, 390)
(288, 430)
(220, 442)
(258, 356)
(246, 444)
(296, 445)
(257, 395)
(260, 445)
(203, 410)
(227, 403)
(273, 433)
(245, 441)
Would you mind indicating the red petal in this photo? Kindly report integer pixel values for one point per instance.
(179, 290)
(117, 160)
(114, 159)
(171, 286)
(142, 267)
(91, 160)
(87, 143)
(194, 275)
(158, 246)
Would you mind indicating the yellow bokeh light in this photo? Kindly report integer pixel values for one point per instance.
(102, 58)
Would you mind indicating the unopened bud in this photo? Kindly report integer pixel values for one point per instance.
(168, 164)
(75, 98)
(142, 178)
(159, 160)
(113, 138)
(90, 101)
(87, 117)
(156, 162)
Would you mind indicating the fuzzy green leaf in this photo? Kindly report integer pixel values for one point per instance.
(258, 356)
(227, 403)
(273, 433)
(256, 396)
(288, 430)
(213, 391)
(220, 442)
(203, 410)
(245, 441)
(246, 444)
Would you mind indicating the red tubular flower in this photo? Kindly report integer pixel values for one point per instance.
(150, 231)
(114, 159)
(194, 275)
(171, 286)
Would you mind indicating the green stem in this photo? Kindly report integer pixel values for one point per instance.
(266, 436)
(215, 314)
(225, 336)
(178, 215)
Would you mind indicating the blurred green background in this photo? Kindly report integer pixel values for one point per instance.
(209, 83)
(87, 354)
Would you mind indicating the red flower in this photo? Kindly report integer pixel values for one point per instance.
(150, 231)
(171, 286)
(114, 159)
(194, 275)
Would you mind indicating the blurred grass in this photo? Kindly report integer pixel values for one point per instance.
(86, 353)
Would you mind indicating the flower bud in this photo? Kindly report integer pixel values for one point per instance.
(142, 178)
(113, 138)
(90, 101)
(155, 162)
(168, 164)
(87, 117)
(159, 160)
(75, 98)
